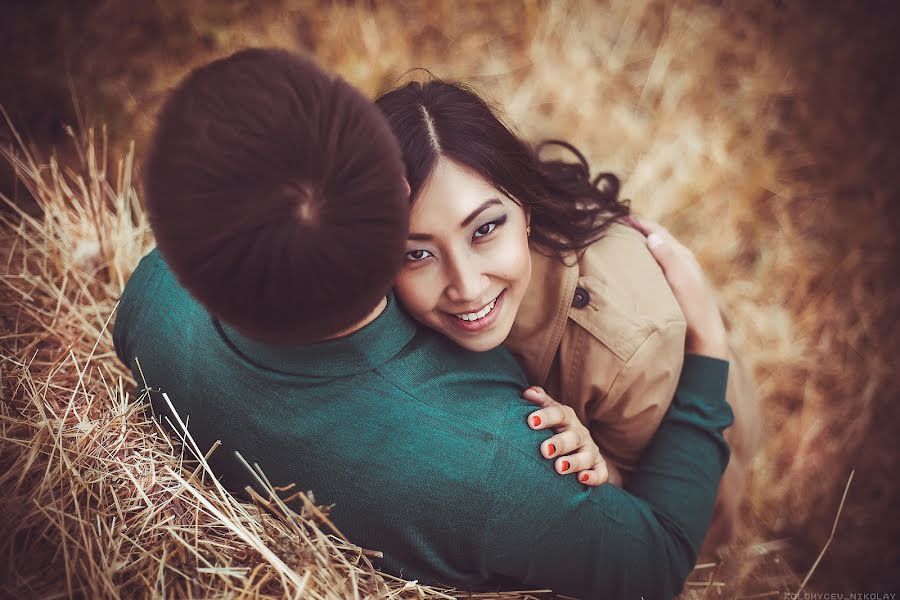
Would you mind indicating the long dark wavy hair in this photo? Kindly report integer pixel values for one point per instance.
(568, 209)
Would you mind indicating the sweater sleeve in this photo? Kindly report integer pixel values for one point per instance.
(550, 531)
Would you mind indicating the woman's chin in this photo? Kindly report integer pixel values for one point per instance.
(480, 342)
(478, 345)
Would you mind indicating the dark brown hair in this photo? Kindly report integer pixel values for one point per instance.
(436, 118)
(276, 195)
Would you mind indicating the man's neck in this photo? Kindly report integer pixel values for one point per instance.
(379, 308)
(371, 316)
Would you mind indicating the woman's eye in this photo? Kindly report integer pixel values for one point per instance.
(485, 229)
(417, 255)
(489, 227)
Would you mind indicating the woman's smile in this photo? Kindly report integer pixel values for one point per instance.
(480, 319)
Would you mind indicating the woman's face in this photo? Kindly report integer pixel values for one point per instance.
(467, 263)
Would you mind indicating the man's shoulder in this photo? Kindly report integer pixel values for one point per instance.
(433, 369)
(151, 270)
(152, 297)
(477, 394)
(154, 272)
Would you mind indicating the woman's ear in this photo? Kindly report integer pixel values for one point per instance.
(406, 187)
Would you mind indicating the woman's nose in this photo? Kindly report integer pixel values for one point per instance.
(467, 283)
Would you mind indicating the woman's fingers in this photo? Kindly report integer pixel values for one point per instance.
(577, 461)
(561, 443)
(639, 224)
(665, 248)
(552, 416)
(657, 235)
(662, 244)
(536, 395)
(633, 221)
(596, 476)
(647, 226)
(575, 452)
(614, 475)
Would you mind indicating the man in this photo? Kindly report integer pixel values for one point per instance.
(277, 197)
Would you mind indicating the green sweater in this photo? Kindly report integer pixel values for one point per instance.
(424, 449)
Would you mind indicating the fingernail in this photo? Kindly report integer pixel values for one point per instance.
(565, 465)
(654, 240)
(583, 477)
(535, 421)
(551, 449)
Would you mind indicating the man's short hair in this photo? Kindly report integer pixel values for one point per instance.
(276, 193)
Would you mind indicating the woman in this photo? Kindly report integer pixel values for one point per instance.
(508, 248)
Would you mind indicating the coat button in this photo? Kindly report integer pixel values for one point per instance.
(581, 298)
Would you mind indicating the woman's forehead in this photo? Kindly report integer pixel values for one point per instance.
(451, 193)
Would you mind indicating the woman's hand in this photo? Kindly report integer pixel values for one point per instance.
(572, 446)
(705, 330)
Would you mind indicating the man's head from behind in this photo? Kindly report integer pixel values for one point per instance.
(276, 194)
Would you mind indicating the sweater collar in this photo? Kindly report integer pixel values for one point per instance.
(362, 350)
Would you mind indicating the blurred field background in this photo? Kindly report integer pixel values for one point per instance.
(764, 134)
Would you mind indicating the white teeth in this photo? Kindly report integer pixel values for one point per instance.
(477, 315)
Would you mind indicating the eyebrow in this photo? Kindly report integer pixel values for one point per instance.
(472, 216)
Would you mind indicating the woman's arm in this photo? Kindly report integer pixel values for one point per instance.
(606, 542)
(590, 542)
(706, 332)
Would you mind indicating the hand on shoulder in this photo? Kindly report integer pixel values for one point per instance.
(705, 329)
(572, 446)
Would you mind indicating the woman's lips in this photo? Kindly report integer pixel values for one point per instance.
(479, 324)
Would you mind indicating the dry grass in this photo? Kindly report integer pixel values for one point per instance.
(716, 127)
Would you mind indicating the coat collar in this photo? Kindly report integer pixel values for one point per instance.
(541, 319)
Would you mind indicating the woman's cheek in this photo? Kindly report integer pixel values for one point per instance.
(404, 290)
(414, 292)
(514, 261)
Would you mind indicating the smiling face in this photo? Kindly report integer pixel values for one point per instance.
(467, 264)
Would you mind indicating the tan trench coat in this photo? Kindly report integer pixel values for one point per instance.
(605, 336)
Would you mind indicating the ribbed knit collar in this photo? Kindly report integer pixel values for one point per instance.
(361, 351)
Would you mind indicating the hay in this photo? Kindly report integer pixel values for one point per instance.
(724, 120)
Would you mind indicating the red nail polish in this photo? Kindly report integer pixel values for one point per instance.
(583, 477)
(565, 465)
(551, 449)
(535, 420)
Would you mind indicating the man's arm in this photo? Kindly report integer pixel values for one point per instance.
(550, 531)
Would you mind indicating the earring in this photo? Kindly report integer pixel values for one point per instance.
(528, 231)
